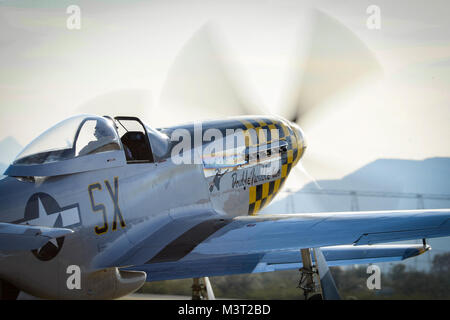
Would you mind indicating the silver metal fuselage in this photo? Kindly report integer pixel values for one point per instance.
(119, 207)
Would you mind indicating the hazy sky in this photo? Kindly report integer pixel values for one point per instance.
(121, 57)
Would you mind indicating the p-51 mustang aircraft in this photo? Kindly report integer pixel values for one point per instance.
(123, 203)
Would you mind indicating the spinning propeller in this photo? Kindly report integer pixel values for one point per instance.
(204, 82)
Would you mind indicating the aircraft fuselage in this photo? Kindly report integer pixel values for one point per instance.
(112, 210)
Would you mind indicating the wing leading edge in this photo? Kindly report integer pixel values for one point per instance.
(246, 244)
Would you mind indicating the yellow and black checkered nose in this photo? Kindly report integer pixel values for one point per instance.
(300, 143)
(294, 147)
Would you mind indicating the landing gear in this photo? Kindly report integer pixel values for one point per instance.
(309, 277)
(202, 290)
(316, 280)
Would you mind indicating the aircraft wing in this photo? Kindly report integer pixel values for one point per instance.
(212, 236)
(20, 237)
(294, 231)
(196, 266)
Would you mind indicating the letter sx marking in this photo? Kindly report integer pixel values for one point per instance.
(100, 207)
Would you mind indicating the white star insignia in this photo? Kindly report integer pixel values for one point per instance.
(43, 218)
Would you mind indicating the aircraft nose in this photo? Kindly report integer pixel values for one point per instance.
(301, 141)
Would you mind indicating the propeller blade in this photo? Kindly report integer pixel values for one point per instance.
(202, 82)
(320, 165)
(301, 169)
(337, 61)
(329, 289)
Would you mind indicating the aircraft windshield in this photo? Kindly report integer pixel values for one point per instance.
(74, 137)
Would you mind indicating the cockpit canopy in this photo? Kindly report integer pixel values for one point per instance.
(74, 137)
(69, 147)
